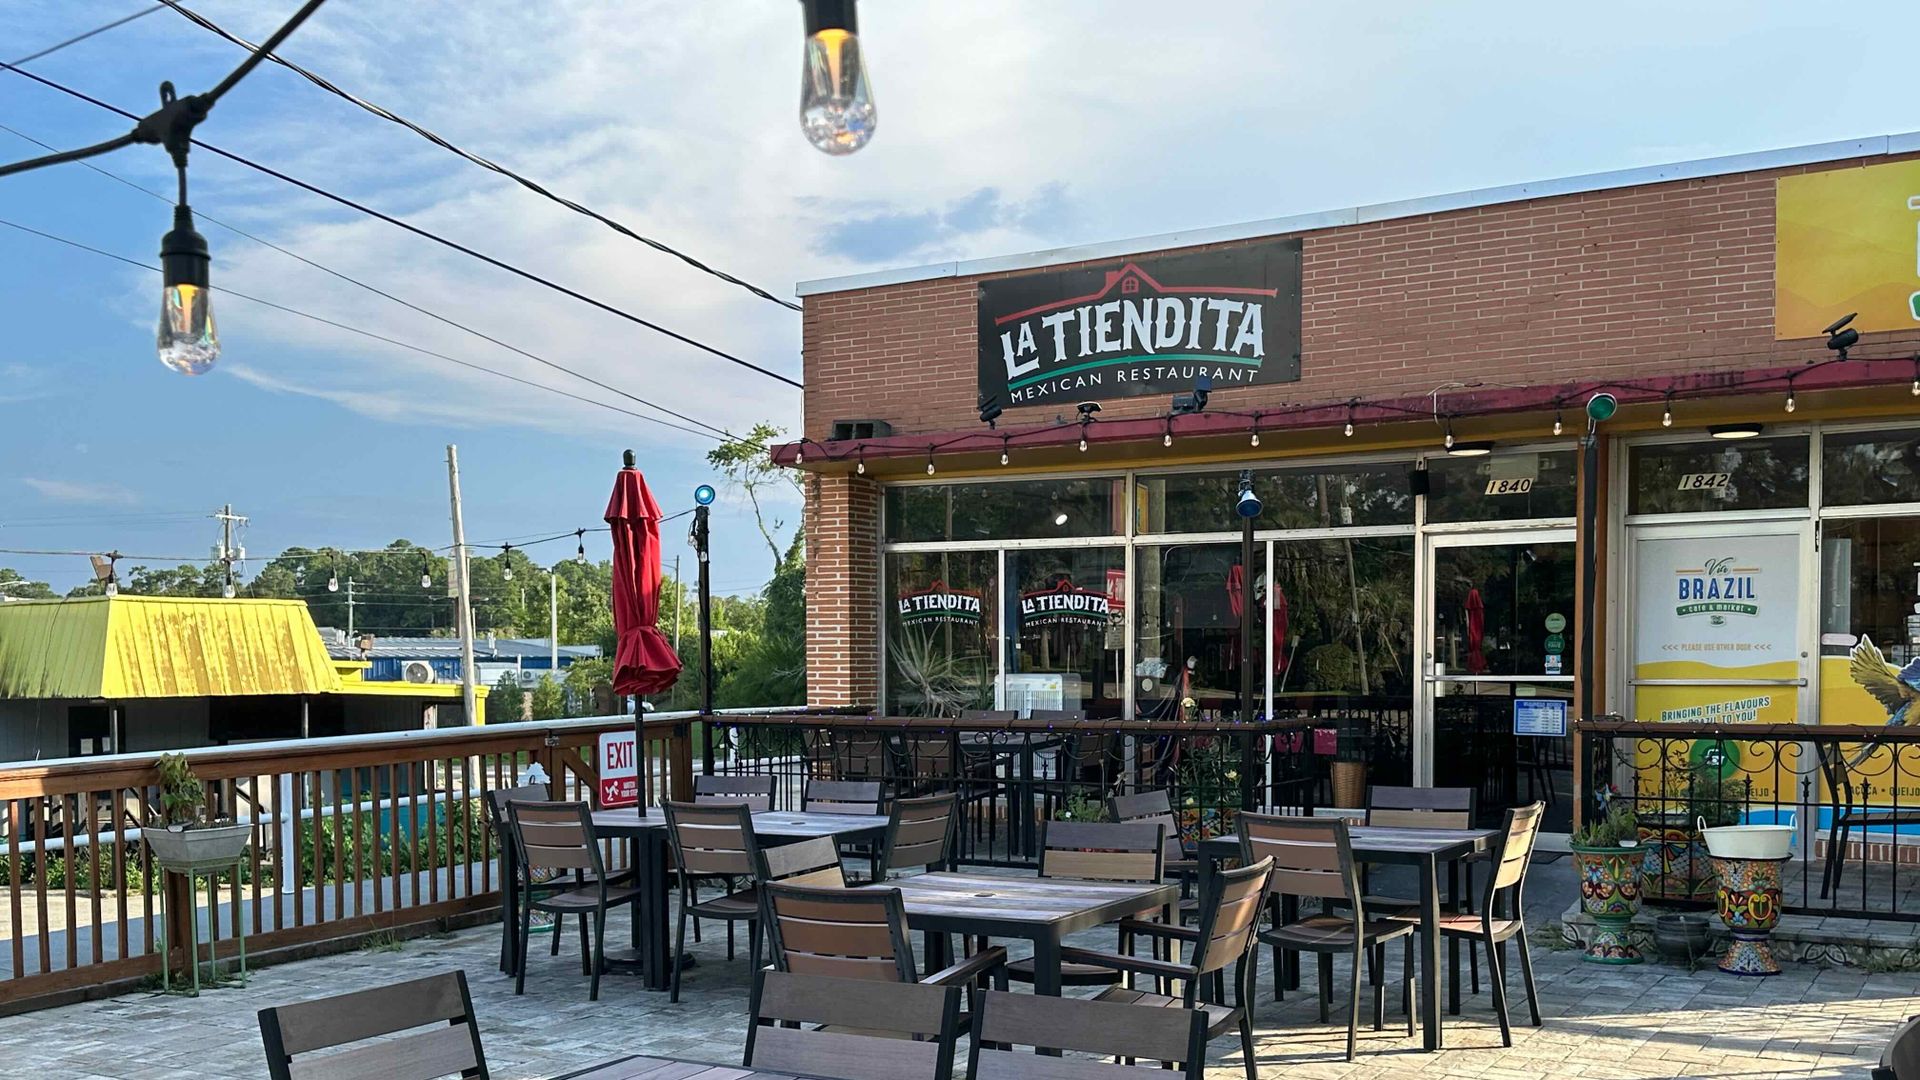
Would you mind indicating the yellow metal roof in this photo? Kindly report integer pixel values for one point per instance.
(160, 646)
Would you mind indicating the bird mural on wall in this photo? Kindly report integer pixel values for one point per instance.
(1895, 688)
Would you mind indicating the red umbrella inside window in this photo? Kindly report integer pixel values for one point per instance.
(1476, 632)
(643, 661)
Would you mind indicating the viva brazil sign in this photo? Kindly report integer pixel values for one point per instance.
(1146, 326)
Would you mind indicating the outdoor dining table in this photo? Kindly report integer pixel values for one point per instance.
(1040, 910)
(658, 1068)
(1424, 849)
(647, 829)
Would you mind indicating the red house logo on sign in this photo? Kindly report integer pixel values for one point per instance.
(619, 770)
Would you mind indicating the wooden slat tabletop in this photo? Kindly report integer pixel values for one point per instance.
(1379, 843)
(653, 1068)
(781, 824)
(1004, 906)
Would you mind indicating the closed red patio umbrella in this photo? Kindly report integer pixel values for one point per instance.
(643, 661)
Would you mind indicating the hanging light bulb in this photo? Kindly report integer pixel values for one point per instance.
(1448, 441)
(929, 461)
(1083, 443)
(1790, 405)
(333, 576)
(226, 590)
(506, 562)
(186, 342)
(800, 452)
(1666, 413)
(1003, 450)
(426, 571)
(1558, 426)
(836, 103)
(1255, 440)
(580, 546)
(1916, 376)
(1349, 429)
(1167, 439)
(861, 466)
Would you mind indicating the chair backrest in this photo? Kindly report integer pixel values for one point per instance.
(1420, 807)
(806, 862)
(1103, 850)
(1230, 908)
(1312, 857)
(713, 838)
(842, 797)
(1514, 852)
(1151, 807)
(928, 1015)
(755, 791)
(1006, 1021)
(447, 1045)
(919, 833)
(498, 798)
(554, 836)
(1901, 1059)
(846, 933)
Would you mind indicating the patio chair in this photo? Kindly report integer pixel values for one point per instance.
(1901, 1059)
(919, 835)
(446, 1044)
(1850, 809)
(1501, 918)
(559, 836)
(1097, 851)
(1156, 807)
(1313, 858)
(1395, 807)
(862, 1030)
(756, 791)
(714, 842)
(1230, 906)
(1175, 1037)
(510, 886)
(848, 797)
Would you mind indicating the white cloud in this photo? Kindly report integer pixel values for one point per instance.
(80, 491)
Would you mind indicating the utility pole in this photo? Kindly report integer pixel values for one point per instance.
(553, 624)
(463, 603)
(228, 552)
(350, 606)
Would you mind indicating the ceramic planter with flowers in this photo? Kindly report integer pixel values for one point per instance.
(1608, 860)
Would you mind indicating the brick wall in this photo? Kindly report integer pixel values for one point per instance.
(843, 600)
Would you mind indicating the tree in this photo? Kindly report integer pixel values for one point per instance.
(549, 699)
(14, 586)
(508, 701)
(770, 666)
(750, 467)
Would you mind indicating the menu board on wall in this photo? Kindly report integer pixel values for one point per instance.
(1711, 608)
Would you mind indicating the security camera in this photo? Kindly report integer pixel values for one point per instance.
(990, 410)
(1087, 409)
(1839, 324)
(1196, 401)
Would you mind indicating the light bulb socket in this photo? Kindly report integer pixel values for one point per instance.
(830, 15)
(183, 252)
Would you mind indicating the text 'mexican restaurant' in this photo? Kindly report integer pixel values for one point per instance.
(1408, 385)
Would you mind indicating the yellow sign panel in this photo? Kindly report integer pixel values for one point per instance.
(1847, 240)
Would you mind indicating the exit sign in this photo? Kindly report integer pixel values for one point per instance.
(617, 762)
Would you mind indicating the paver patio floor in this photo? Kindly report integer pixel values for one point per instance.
(1639, 1022)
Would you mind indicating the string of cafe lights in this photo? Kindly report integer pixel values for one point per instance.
(1357, 411)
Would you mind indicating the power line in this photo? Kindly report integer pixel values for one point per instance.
(78, 38)
(388, 340)
(385, 114)
(429, 235)
(721, 432)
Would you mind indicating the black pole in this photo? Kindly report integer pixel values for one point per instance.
(1249, 758)
(1589, 561)
(706, 635)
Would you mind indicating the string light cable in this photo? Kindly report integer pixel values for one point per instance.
(78, 38)
(399, 223)
(493, 166)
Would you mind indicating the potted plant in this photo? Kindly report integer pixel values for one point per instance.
(182, 838)
(1677, 868)
(1608, 858)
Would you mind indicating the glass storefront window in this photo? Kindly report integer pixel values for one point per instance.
(1502, 487)
(1306, 498)
(1700, 477)
(1187, 622)
(1016, 510)
(1067, 631)
(942, 630)
(1867, 468)
(1870, 586)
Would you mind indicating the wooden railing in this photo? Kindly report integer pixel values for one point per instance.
(350, 836)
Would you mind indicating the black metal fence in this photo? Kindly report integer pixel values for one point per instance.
(1011, 775)
(1851, 793)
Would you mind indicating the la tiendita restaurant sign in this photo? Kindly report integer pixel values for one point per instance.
(1149, 326)
(1064, 604)
(937, 604)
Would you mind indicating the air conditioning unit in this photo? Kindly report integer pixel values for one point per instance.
(417, 671)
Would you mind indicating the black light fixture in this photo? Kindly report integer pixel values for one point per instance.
(1790, 402)
(930, 469)
(1734, 431)
(1666, 412)
(1255, 440)
(1840, 336)
(836, 103)
(1167, 439)
(580, 546)
(1247, 503)
(1004, 458)
(1916, 376)
(333, 576)
(1473, 448)
(1559, 408)
(1088, 410)
(1447, 441)
(861, 465)
(426, 571)
(506, 562)
(1351, 402)
(186, 341)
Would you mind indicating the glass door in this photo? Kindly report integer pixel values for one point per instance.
(1497, 666)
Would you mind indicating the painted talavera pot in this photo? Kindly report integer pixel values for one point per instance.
(1610, 895)
(1750, 907)
(1677, 869)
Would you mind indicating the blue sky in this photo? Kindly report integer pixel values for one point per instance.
(1005, 126)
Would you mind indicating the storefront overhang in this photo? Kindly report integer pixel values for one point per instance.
(1853, 387)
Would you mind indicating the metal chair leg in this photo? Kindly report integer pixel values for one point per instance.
(1497, 977)
(1353, 1006)
(520, 963)
(1526, 975)
(1326, 987)
(599, 952)
(1406, 982)
(679, 948)
(1376, 956)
